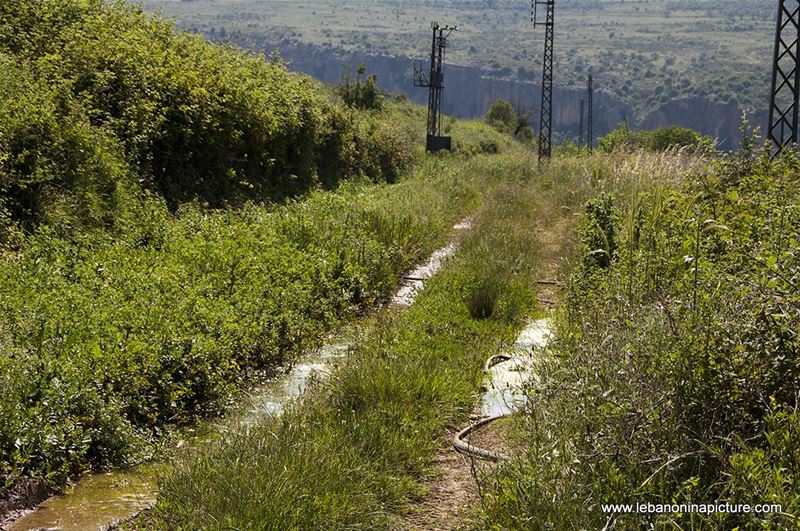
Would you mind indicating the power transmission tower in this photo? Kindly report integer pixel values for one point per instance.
(785, 97)
(546, 115)
(580, 125)
(590, 122)
(435, 84)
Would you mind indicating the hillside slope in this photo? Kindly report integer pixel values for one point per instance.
(178, 217)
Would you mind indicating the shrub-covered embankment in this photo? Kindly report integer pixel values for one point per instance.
(353, 451)
(97, 97)
(110, 337)
(675, 375)
(146, 266)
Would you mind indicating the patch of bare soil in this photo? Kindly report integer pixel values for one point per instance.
(20, 499)
(451, 498)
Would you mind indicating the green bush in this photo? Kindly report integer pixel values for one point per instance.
(661, 139)
(506, 119)
(674, 377)
(115, 89)
(49, 146)
(361, 94)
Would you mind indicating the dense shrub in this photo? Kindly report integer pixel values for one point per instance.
(126, 305)
(661, 139)
(48, 145)
(361, 94)
(509, 120)
(190, 119)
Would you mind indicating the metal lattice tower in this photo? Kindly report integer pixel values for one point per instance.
(546, 115)
(785, 97)
(590, 122)
(580, 125)
(435, 84)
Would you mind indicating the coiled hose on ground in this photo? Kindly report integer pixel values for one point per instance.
(459, 441)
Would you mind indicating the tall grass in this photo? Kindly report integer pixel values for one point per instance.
(673, 379)
(352, 453)
(110, 339)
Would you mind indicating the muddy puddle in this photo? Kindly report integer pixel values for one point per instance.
(97, 501)
(506, 381)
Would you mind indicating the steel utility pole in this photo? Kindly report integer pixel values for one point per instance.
(785, 96)
(546, 115)
(435, 84)
(590, 123)
(580, 125)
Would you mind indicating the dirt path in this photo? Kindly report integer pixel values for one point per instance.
(453, 496)
(452, 493)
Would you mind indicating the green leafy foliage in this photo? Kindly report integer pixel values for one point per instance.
(358, 93)
(48, 145)
(127, 305)
(661, 139)
(104, 93)
(674, 378)
(506, 119)
(109, 340)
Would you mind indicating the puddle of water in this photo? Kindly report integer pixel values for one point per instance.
(273, 397)
(506, 381)
(99, 500)
(414, 282)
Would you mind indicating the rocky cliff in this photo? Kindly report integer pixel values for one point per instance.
(470, 90)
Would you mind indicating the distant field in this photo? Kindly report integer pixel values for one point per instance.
(645, 51)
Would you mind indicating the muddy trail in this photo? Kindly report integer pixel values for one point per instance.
(454, 484)
(100, 500)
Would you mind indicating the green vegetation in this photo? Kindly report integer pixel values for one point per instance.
(130, 303)
(674, 378)
(661, 139)
(506, 119)
(110, 337)
(352, 452)
(98, 98)
(361, 94)
(178, 219)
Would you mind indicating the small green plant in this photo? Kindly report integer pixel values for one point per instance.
(361, 93)
(600, 232)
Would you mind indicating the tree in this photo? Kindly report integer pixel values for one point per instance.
(361, 94)
(502, 117)
(512, 120)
